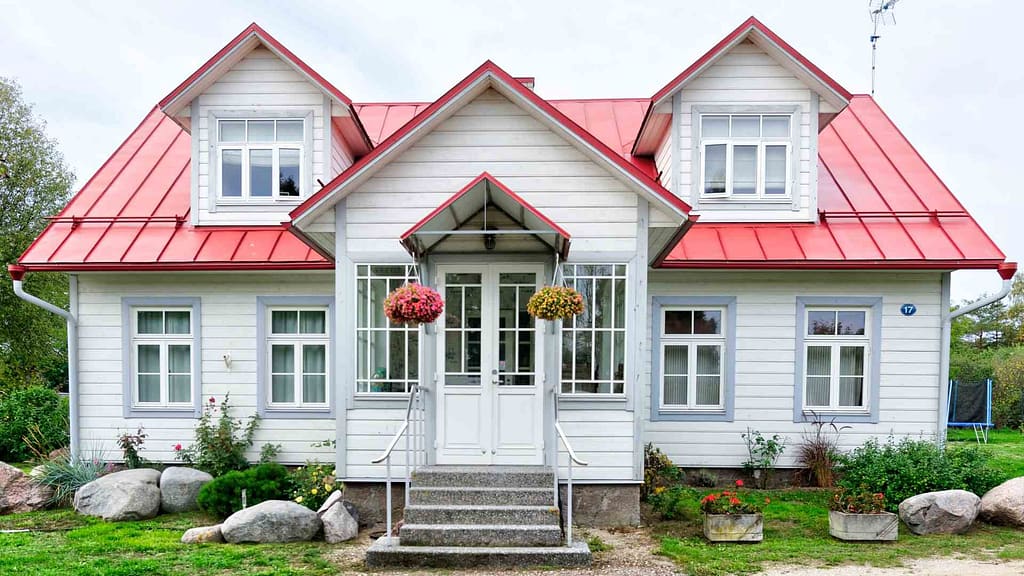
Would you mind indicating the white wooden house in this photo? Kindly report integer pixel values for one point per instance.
(754, 243)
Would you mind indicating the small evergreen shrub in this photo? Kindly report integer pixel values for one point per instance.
(909, 467)
(313, 483)
(223, 496)
(23, 408)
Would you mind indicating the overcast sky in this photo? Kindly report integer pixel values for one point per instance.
(951, 73)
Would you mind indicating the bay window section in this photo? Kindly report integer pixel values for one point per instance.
(387, 354)
(746, 155)
(298, 345)
(594, 342)
(260, 159)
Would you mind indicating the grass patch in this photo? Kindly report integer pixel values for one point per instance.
(597, 545)
(796, 532)
(1005, 448)
(66, 543)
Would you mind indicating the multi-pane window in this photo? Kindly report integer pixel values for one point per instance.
(298, 344)
(836, 350)
(745, 155)
(692, 358)
(260, 158)
(594, 342)
(387, 354)
(162, 341)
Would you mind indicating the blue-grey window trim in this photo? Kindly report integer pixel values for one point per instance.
(874, 371)
(728, 386)
(265, 411)
(128, 394)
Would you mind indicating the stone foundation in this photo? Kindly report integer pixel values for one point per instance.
(369, 499)
(603, 505)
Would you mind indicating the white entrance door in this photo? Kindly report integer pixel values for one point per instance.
(489, 405)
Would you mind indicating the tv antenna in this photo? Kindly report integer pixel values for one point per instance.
(881, 12)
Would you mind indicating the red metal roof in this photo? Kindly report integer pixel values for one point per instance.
(133, 214)
(881, 206)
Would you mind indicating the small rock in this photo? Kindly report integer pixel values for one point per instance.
(18, 493)
(202, 535)
(945, 512)
(339, 525)
(179, 488)
(272, 521)
(334, 497)
(125, 495)
(1004, 504)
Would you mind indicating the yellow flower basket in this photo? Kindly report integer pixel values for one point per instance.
(555, 303)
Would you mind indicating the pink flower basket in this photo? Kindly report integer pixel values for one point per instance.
(413, 304)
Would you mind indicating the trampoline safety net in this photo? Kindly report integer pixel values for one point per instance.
(970, 403)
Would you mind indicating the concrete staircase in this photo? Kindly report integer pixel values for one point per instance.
(472, 516)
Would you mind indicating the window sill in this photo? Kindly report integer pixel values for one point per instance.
(260, 202)
(281, 413)
(592, 401)
(692, 415)
(859, 416)
(380, 400)
(161, 412)
(741, 199)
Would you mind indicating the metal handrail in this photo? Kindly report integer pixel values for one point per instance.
(403, 429)
(573, 458)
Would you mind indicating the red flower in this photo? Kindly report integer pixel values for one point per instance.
(739, 483)
(767, 500)
(177, 447)
(734, 501)
(212, 399)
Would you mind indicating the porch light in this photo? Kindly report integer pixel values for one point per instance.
(490, 240)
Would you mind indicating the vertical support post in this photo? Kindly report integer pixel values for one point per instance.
(387, 498)
(408, 461)
(568, 507)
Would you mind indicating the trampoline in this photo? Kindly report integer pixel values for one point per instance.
(970, 406)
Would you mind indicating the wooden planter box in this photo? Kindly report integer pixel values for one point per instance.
(734, 527)
(863, 527)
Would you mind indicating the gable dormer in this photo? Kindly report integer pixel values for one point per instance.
(735, 135)
(265, 130)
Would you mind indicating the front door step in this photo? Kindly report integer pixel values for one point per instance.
(461, 514)
(382, 554)
(484, 476)
(481, 496)
(514, 535)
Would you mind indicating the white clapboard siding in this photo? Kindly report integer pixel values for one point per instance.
(765, 359)
(228, 326)
(602, 438)
(745, 76)
(491, 134)
(260, 82)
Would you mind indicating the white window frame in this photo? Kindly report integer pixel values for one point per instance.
(692, 341)
(761, 142)
(836, 343)
(275, 147)
(297, 341)
(364, 386)
(569, 325)
(163, 341)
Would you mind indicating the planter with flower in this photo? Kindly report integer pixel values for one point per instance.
(555, 303)
(860, 515)
(732, 516)
(413, 304)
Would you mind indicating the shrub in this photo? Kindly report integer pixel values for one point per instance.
(860, 501)
(1008, 388)
(730, 502)
(20, 409)
(910, 467)
(220, 446)
(130, 444)
(676, 503)
(223, 496)
(66, 475)
(313, 483)
(817, 452)
(659, 471)
(763, 455)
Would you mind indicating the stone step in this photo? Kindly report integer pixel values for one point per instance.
(480, 535)
(384, 554)
(461, 514)
(481, 496)
(477, 476)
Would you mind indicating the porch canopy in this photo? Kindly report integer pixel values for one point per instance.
(485, 216)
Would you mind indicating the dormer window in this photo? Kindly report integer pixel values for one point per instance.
(260, 159)
(746, 156)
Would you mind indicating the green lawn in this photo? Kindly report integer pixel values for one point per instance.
(796, 532)
(72, 544)
(1005, 447)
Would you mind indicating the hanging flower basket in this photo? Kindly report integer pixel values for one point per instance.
(413, 304)
(555, 303)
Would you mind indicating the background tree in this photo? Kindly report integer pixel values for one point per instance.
(35, 182)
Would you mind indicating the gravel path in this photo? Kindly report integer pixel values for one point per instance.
(925, 567)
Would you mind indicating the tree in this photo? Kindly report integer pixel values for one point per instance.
(35, 182)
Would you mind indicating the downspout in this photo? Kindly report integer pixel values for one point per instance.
(1006, 272)
(17, 274)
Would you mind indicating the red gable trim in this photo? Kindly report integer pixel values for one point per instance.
(512, 84)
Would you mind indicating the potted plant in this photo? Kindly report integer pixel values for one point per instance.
(861, 516)
(413, 304)
(555, 303)
(730, 516)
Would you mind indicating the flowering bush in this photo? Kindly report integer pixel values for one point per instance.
(413, 304)
(313, 483)
(861, 501)
(730, 502)
(555, 303)
(221, 441)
